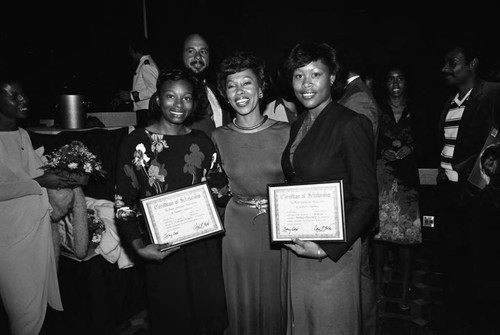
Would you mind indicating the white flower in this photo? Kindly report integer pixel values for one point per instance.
(124, 213)
(158, 143)
(72, 166)
(140, 147)
(87, 167)
(140, 157)
(119, 201)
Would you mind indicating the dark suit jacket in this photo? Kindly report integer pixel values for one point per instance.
(358, 97)
(206, 124)
(482, 111)
(339, 146)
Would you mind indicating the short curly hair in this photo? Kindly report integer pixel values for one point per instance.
(305, 53)
(241, 61)
(175, 74)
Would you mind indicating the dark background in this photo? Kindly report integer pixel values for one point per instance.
(81, 46)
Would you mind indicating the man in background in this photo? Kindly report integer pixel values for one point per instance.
(465, 217)
(357, 96)
(143, 83)
(196, 58)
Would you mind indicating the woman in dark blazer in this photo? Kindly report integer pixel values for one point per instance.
(327, 142)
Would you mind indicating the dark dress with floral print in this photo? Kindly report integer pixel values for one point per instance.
(186, 291)
(399, 215)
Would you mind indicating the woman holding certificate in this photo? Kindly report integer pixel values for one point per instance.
(328, 142)
(185, 287)
(250, 148)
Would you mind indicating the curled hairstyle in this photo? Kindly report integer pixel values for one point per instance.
(241, 61)
(176, 74)
(303, 54)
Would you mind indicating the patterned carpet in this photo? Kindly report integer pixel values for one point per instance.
(425, 296)
(427, 315)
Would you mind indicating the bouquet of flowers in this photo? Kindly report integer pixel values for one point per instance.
(74, 159)
(96, 228)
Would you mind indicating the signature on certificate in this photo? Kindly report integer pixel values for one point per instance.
(290, 230)
(201, 225)
(170, 235)
(323, 228)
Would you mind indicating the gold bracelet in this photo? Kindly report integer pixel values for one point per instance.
(319, 255)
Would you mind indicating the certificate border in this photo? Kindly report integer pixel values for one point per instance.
(152, 225)
(274, 220)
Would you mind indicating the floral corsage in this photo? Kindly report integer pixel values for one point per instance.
(96, 228)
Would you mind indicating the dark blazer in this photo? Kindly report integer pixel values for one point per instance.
(358, 97)
(339, 146)
(482, 111)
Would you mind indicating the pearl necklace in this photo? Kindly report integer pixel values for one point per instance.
(251, 127)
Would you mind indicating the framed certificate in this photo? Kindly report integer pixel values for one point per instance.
(182, 216)
(309, 211)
